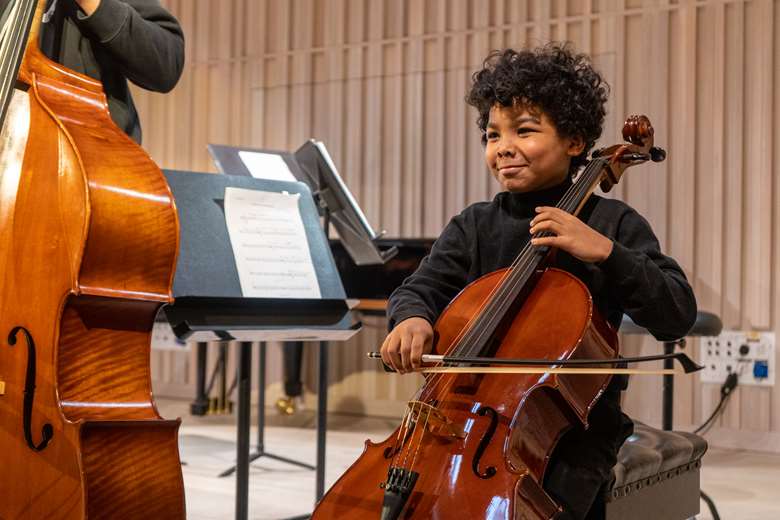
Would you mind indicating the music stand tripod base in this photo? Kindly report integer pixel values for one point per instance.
(260, 450)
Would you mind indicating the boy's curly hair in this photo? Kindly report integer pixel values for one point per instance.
(551, 78)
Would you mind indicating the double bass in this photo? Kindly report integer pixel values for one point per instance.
(475, 441)
(88, 246)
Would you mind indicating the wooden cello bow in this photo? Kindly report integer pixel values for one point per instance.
(88, 247)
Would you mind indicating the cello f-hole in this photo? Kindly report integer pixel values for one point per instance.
(47, 432)
(490, 471)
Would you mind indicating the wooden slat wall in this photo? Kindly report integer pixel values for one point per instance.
(382, 82)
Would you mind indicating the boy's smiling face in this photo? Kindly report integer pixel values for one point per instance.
(524, 151)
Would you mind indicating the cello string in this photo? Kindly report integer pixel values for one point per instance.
(498, 293)
(507, 288)
(406, 449)
(419, 442)
(525, 257)
(567, 204)
(400, 429)
(574, 194)
(399, 446)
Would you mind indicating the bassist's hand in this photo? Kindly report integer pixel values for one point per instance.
(407, 342)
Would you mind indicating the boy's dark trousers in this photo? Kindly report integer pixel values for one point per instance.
(583, 460)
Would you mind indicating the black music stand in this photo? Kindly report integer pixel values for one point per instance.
(209, 304)
(707, 324)
(312, 164)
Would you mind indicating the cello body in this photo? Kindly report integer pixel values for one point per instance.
(88, 247)
(486, 454)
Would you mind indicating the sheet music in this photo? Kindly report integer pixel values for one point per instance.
(269, 244)
(266, 166)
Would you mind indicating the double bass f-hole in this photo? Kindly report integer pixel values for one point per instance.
(29, 392)
(483, 443)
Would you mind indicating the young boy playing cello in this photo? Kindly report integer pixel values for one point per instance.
(541, 111)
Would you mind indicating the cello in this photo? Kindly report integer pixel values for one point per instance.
(475, 441)
(88, 247)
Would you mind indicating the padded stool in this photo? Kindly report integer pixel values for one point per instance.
(656, 476)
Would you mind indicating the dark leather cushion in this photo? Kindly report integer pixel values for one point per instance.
(649, 452)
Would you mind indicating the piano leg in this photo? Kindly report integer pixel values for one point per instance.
(201, 403)
(292, 355)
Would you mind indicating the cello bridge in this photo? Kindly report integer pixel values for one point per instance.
(2, 387)
(436, 422)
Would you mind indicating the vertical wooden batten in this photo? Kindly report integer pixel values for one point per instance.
(382, 82)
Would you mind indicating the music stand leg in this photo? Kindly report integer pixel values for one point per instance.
(322, 424)
(260, 450)
(668, 387)
(244, 413)
(322, 417)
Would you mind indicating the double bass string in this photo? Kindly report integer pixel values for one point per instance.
(488, 319)
(12, 46)
(8, 36)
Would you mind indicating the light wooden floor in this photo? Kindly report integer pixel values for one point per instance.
(743, 484)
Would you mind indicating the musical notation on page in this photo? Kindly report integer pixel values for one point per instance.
(269, 243)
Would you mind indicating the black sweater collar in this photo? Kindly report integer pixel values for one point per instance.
(523, 204)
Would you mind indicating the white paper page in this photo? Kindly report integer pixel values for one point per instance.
(266, 166)
(269, 244)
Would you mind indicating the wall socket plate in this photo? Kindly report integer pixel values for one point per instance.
(750, 354)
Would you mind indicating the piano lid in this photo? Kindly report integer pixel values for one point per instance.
(376, 282)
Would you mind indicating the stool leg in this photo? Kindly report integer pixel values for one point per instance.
(668, 388)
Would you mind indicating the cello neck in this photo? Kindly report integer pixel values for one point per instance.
(521, 274)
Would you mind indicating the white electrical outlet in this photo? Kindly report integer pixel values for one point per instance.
(750, 354)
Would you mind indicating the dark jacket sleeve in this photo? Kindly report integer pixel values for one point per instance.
(650, 287)
(439, 278)
(144, 39)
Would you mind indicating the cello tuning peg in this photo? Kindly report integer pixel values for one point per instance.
(657, 154)
(634, 157)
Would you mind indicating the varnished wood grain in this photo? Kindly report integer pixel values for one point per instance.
(531, 410)
(90, 239)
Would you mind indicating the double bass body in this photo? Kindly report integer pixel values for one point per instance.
(88, 245)
(484, 451)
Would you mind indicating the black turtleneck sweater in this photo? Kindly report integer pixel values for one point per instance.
(636, 279)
